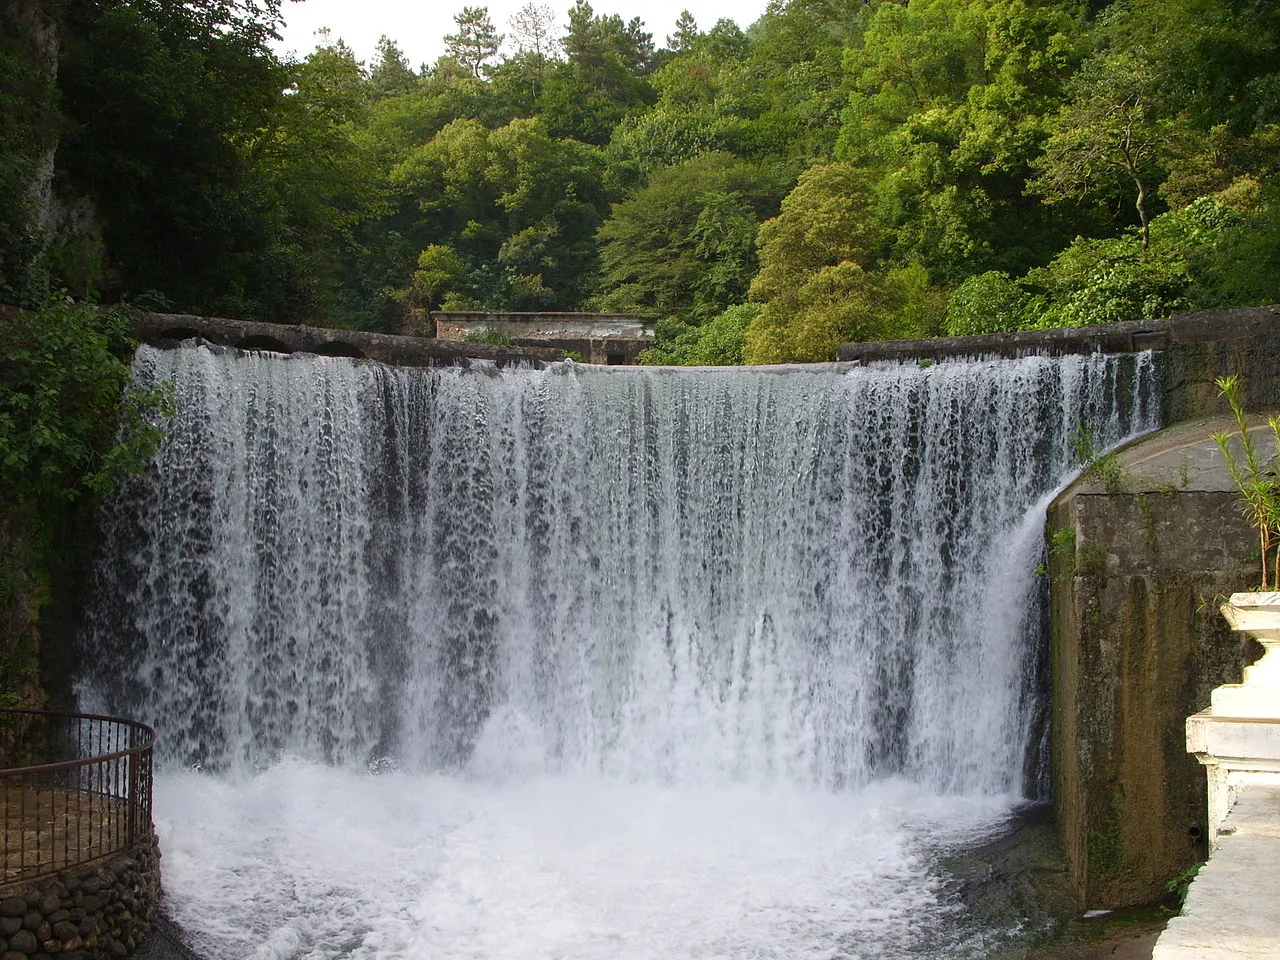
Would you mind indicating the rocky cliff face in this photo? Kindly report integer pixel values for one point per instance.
(27, 95)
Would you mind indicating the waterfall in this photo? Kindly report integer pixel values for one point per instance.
(588, 663)
(820, 577)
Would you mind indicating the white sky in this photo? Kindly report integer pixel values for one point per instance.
(417, 26)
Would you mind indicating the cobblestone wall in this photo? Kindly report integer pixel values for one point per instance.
(98, 911)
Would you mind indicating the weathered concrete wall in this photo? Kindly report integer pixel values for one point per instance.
(1195, 349)
(455, 325)
(1137, 565)
(386, 348)
(606, 338)
(1215, 343)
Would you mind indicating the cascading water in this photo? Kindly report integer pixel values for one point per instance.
(582, 662)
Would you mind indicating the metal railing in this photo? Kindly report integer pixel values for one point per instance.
(80, 789)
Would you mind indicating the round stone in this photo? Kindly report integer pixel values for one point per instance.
(24, 941)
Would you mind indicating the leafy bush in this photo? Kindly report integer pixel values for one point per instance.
(71, 423)
(1107, 281)
(990, 302)
(1239, 265)
(716, 343)
(495, 338)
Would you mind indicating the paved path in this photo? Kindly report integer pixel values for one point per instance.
(1233, 907)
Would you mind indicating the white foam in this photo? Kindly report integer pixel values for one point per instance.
(310, 861)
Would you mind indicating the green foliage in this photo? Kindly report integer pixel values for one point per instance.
(716, 342)
(685, 242)
(988, 302)
(26, 101)
(517, 206)
(1256, 480)
(916, 308)
(1062, 550)
(1179, 884)
(971, 166)
(476, 40)
(661, 138)
(1109, 136)
(947, 108)
(71, 423)
(815, 285)
(495, 338)
(1096, 466)
(440, 270)
(1106, 281)
(391, 75)
(1238, 262)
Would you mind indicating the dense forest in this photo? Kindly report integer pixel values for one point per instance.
(840, 170)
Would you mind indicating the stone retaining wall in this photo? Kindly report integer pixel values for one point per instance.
(1136, 565)
(100, 911)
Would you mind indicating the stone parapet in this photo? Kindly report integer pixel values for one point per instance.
(1195, 348)
(160, 328)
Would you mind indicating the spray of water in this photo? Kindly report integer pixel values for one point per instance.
(644, 658)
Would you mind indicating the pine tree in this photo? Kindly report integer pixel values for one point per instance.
(686, 33)
(476, 40)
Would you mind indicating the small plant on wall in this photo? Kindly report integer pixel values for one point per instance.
(1256, 480)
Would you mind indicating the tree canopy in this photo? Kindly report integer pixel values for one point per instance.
(838, 170)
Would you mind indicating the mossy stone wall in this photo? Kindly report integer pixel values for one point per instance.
(1137, 643)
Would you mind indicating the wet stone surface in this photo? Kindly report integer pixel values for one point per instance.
(1018, 881)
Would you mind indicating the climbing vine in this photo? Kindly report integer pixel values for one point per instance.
(71, 424)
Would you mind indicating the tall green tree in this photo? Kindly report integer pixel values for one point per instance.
(391, 74)
(817, 285)
(1110, 131)
(685, 35)
(476, 41)
(685, 242)
(592, 39)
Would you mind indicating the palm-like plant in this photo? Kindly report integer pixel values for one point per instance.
(1257, 481)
